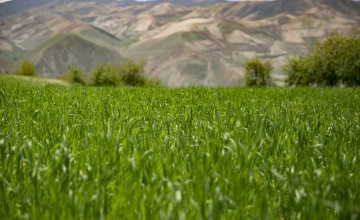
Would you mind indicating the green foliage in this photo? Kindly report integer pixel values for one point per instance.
(334, 61)
(75, 75)
(105, 75)
(132, 74)
(128, 74)
(298, 71)
(124, 153)
(257, 72)
(27, 69)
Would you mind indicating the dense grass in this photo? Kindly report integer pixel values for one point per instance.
(105, 153)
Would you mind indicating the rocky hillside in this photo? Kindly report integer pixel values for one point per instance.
(183, 46)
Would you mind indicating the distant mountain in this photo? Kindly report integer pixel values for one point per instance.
(9, 54)
(54, 56)
(84, 46)
(18, 6)
(201, 45)
(187, 59)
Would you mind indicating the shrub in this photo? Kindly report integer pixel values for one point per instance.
(128, 74)
(132, 74)
(75, 75)
(257, 72)
(332, 62)
(299, 72)
(104, 75)
(26, 69)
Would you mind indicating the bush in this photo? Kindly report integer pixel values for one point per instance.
(299, 71)
(27, 69)
(128, 74)
(332, 62)
(257, 73)
(75, 75)
(104, 75)
(132, 74)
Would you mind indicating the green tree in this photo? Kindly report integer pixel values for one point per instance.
(331, 62)
(132, 74)
(128, 74)
(75, 75)
(299, 71)
(105, 75)
(26, 69)
(257, 72)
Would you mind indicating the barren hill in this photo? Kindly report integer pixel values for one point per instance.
(73, 50)
(196, 45)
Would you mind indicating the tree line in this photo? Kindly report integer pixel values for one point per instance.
(128, 74)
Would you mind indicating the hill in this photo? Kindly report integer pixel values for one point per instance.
(197, 45)
(53, 47)
(19, 6)
(228, 34)
(54, 56)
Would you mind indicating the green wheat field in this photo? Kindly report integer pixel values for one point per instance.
(197, 153)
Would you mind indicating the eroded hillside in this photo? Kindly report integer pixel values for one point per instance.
(183, 46)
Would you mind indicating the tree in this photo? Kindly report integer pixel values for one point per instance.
(104, 75)
(299, 71)
(131, 74)
(332, 62)
(26, 69)
(128, 74)
(257, 72)
(75, 75)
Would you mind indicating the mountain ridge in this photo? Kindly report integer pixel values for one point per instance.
(186, 46)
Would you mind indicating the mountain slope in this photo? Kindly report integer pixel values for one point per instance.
(184, 59)
(54, 56)
(20, 6)
(224, 36)
(33, 37)
(202, 45)
(9, 55)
